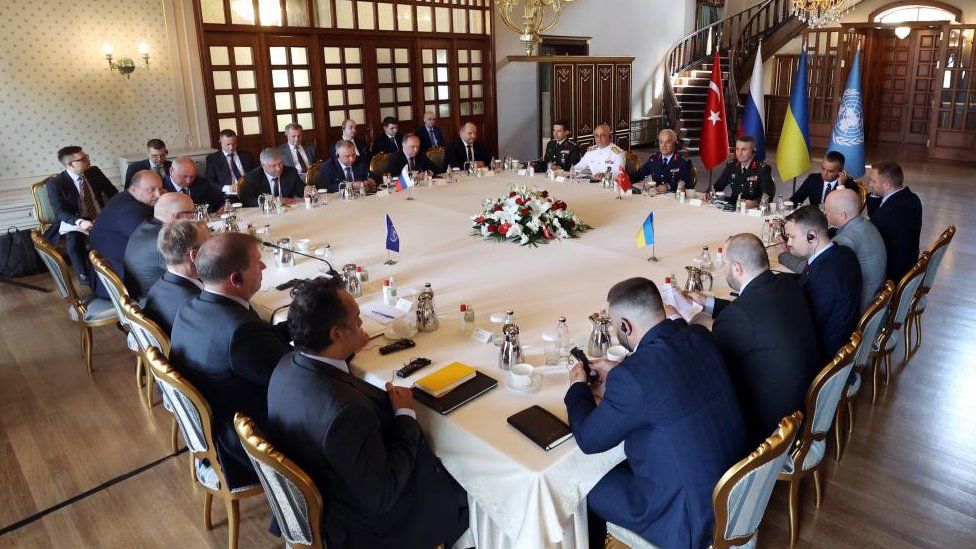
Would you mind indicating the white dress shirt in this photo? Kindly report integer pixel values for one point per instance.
(343, 367)
(195, 282)
(234, 298)
(272, 184)
(295, 153)
(889, 195)
(240, 168)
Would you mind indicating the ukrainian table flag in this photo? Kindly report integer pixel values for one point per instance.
(793, 151)
(645, 236)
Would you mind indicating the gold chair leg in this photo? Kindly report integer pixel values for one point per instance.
(907, 328)
(794, 510)
(87, 349)
(174, 444)
(918, 331)
(139, 372)
(850, 417)
(193, 470)
(876, 366)
(839, 432)
(207, 500)
(149, 392)
(887, 369)
(817, 483)
(233, 518)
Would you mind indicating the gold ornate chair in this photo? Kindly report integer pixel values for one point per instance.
(807, 458)
(43, 211)
(936, 253)
(294, 498)
(694, 177)
(116, 291)
(380, 163)
(742, 494)
(631, 162)
(313, 172)
(195, 420)
(901, 304)
(88, 312)
(862, 191)
(146, 333)
(436, 156)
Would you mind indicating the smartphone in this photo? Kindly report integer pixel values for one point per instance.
(579, 355)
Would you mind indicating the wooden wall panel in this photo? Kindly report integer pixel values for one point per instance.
(562, 94)
(603, 95)
(585, 98)
(587, 93)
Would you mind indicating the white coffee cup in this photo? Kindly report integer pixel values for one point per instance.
(303, 245)
(616, 353)
(521, 375)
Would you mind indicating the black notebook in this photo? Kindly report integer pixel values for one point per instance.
(541, 426)
(459, 396)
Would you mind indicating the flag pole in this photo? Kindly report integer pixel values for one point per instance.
(389, 259)
(794, 185)
(653, 255)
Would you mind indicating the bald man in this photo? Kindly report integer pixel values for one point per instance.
(843, 210)
(182, 178)
(603, 155)
(143, 262)
(466, 148)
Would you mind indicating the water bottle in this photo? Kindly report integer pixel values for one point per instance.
(562, 341)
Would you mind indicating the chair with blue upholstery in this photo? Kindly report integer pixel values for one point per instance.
(43, 211)
(822, 401)
(901, 305)
(196, 424)
(112, 283)
(294, 498)
(88, 312)
(936, 253)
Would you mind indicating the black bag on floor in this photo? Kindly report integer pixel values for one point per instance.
(17, 255)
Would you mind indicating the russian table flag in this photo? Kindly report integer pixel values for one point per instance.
(754, 119)
(403, 180)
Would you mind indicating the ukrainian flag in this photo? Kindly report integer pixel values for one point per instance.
(793, 151)
(645, 236)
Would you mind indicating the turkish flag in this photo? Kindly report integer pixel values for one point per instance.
(714, 143)
(623, 180)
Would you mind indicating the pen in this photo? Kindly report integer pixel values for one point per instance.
(391, 317)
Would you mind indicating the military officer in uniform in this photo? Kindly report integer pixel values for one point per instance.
(748, 177)
(561, 153)
(601, 156)
(667, 169)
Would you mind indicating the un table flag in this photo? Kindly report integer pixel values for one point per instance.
(392, 238)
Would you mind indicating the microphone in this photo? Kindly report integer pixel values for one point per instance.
(331, 272)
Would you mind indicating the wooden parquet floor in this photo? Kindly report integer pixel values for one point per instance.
(907, 478)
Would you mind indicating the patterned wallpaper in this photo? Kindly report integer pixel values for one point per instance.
(56, 89)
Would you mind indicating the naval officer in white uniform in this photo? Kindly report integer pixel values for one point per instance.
(602, 155)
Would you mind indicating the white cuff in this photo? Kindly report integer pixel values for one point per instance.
(226, 189)
(405, 412)
(709, 304)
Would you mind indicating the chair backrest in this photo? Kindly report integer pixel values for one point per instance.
(631, 162)
(58, 269)
(936, 253)
(862, 192)
(111, 281)
(436, 155)
(825, 393)
(294, 498)
(871, 323)
(742, 494)
(313, 173)
(905, 292)
(147, 333)
(43, 210)
(240, 185)
(694, 177)
(380, 163)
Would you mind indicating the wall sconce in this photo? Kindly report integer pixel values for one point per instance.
(125, 65)
(902, 32)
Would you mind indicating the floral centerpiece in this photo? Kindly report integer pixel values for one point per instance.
(529, 217)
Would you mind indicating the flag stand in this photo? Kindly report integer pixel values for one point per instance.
(389, 259)
(409, 197)
(794, 185)
(653, 255)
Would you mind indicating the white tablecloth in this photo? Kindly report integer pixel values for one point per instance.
(520, 495)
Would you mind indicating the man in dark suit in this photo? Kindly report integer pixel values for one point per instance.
(817, 186)
(667, 168)
(121, 216)
(296, 153)
(178, 243)
(344, 166)
(672, 405)
(411, 158)
(77, 196)
(897, 213)
(831, 278)
(273, 177)
(381, 484)
(155, 163)
(561, 153)
(466, 148)
(142, 261)
(389, 141)
(349, 130)
(224, 348)
(765, 335)
(748, 177)
(182, 178)
(227, 165)
(430, 134)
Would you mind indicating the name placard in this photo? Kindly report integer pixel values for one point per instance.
(560, 179)
(695, 202)
(404, 304)
(382, 192)
(523, 172)
(755, 212)
(481, 336)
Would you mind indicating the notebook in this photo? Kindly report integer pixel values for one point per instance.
(461, 395)
(541, 426)
(444, 380)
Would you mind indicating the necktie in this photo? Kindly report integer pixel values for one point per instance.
(433, 140)
(233, 167)
(274, 185)
(88, 207)
(161, 171)
(410, 163)
(827, 188)
(806, 267)
(301, 161)
(393, 139)
(349, 176)
(470, 153)
(185, 191)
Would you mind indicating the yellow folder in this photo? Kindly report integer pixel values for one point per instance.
(446, 379)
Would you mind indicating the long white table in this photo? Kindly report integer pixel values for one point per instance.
(520, 495)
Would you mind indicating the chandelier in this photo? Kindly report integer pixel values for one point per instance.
(821, 13)
(537, 17)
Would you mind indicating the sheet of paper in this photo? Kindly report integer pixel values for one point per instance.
(687, 308)
(66, 228)
(381, 313)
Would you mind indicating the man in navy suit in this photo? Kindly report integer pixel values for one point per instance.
(673, 406)
(182, 178)
(897, 213)
(296, 153)
(430, 133)
(77, 196)
(227, 165)
(344, 166)
(178, 243)
(381, 484)
(156, 162)
(390, 140)
(349, 130)
(142, 261)
(817, 186)
(667, 168)
(411, 158)
(224, 348)
(111, 232)
(830, 278)
(466, 148)
(273, 177)
(765, 336)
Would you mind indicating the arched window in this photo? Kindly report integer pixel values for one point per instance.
(911, 12)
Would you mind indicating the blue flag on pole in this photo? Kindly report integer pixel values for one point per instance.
(848, 135)
(392, 238)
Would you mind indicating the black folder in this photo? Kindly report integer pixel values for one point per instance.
(541, 426)
(459, 396)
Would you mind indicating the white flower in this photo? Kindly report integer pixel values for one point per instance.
(561, 233)
(524, 239)
(514, 231)
(484, 230)
(533, 225)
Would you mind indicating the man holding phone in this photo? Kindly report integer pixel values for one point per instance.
(817, 186)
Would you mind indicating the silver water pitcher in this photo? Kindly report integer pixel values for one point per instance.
(426, 316)
(696, 280)
(599, 340)
(510, 352)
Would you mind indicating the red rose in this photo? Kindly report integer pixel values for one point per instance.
(491, 228)
(524, 211)
(498, 207)
(545, 194)
(512, 194)
(480, 219)
(503, 228)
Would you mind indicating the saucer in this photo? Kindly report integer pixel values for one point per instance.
(530, 388)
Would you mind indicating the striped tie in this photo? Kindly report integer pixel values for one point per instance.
(89, 209)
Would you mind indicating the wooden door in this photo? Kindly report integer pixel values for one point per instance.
(908, 85)
(954, 123)
(235, 84)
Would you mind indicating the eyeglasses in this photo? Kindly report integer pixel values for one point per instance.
(85, 158)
